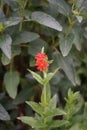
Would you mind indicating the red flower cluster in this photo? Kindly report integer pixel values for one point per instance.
(42, 61)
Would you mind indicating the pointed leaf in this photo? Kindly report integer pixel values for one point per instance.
(66, 64)
(61, 6)
(5, 45)
(58, 123)
(46, 20)
(4, 59)
(79, 3)
(36, 46)
(53, 102)
(32, 122)
(79, 18)
(12, 21)
(24, 95)
(36, 107)
(66, 43)
(54, 112)
(77, 32)
(24, 37)
(36, 76)
(11, 81)
(4, 114)
(49, 76)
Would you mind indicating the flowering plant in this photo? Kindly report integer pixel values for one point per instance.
(46, 110)
(42, 61)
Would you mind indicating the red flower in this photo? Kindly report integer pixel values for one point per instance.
(42, 61)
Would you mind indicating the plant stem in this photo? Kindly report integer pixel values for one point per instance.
(11, 65)
(45, 94)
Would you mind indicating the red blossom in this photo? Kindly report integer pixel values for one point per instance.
(42, 61)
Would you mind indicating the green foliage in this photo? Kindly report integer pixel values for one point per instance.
(11, 81)
(25, 27)
(46, 20)
(3, 114)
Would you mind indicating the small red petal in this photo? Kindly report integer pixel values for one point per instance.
(42, 61)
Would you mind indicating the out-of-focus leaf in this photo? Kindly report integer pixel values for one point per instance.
(77, 32)
(46, 20)
(5, 45)
(61, 6)
(11, 81)
(66, 65)
(36, 46)
(16, 50)
(79, 3)
(75, 127)
(27, 90)
(66, 43)
(4, 114)
(2, 95)
(4, 59)
(79, 18)
(2, 16)
(12, 21)
(25, 37)
(24, 95)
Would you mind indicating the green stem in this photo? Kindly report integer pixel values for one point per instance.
(45, 94)
(20, 26)
(11, 65)
(44, 75)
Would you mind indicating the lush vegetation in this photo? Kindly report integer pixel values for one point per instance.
(60, 26)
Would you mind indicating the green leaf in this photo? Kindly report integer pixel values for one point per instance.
(11, 81)
(85, 110)
(79, 18)
(16, 50)
(12, 21)
(4, 59)
(53, 102)
(66, 43)
(46, 20)
(36, 107)
(84, 15)
(24, 37)
(32, 122)
(49, 76)
(61, 6)
(65, 64)
(36, 76)
(79, 3)
(58, 123)
(74, 103)
(5, 45)
(77, 32)
(54, 112)
(36, 46)
(24, 95)
(4, 114)
(75, 127)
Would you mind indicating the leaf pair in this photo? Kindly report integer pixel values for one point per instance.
(43, 81)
